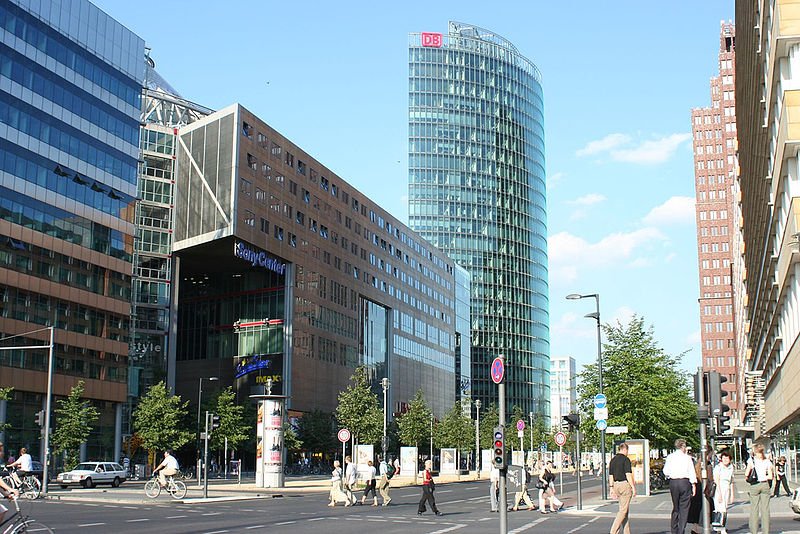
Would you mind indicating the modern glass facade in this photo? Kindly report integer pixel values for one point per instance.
(477, 191)
(70, 92)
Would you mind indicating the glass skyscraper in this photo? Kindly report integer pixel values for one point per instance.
(70, 104)
(477, 191)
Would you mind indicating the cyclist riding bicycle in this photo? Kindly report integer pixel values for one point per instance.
(24, 465)
(6, 490)
(168, 467)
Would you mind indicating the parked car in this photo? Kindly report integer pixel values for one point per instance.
(795, 504)
(89, 474)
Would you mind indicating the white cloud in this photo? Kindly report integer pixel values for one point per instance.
(621, 315)
(588, 200)
(620, 147)
(554, 179)
(676, 210)
(694, 338)
(566, 249)
(603, 145)
(640, 263)
(655, 151)
(573, 325)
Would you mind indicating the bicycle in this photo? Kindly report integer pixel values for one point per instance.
(176, 488)
(19, 523)
(28, 486)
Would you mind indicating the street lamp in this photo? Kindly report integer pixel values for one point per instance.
(477, 438)
(432, 466)
(385, 443)
(530, 418)
(199, 402)
(596, 317)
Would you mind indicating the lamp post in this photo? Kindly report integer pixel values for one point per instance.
(432, 466)
(199, 403)
(530, 418)
(385, 442)
(477, 438)
(596, 317)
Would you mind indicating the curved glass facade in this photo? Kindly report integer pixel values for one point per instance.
(477, 191)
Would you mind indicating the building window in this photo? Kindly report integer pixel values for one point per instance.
(301, 167)
(247, 130)
(249, 218)
(264, 225)
(252, 162)
(246, 187)
(278, 233)
(289, 159)
(275, 149)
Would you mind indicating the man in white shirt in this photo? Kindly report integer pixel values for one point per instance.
(350, 479)
(24, 463)
(383, 485)
(168, 467)
(494, 488)
(679, 469)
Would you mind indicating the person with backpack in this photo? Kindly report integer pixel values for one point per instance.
(387, 471)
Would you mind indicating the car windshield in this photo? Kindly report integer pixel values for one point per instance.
(85, 467)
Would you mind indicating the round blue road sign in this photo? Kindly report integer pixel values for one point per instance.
(498, 370)
(601, 424)
(600, 401)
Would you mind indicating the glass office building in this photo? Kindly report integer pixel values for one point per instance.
(70, 94)
(477, 192)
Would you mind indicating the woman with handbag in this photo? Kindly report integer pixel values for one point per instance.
(336, 493)
(759, 475)
(723, 492)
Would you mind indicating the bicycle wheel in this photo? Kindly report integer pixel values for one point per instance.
(152, 488)
(31, 526)
(178, 489)
(31, 487)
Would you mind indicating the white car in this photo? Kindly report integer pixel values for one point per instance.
(88, 474)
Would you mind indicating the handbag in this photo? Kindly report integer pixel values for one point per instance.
(540, 484)
(752, 478)
(710, 489)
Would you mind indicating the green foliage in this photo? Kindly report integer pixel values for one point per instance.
(290, 439)
(6, 394)
(232, 424)
(316, 430)
(414, 426)
(358, 410)
(160, 420)
(646, 390)
(490, 417)
(74, 421)
(454, 430)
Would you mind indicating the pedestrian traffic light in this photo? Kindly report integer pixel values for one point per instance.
(39, 418)
(214, 421)
(499, 448)
(701, 380)
(571, 422)
(718, 408)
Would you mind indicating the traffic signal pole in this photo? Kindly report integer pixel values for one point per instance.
(703, 417)
(578, 464)
(503, 501)
(205, 462)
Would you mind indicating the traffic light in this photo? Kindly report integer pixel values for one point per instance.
(716, 407)
(499, 448)
(39, 418)
(571, 422)
(214, 421)
(697, 384)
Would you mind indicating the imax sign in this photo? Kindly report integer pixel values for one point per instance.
(258, 258)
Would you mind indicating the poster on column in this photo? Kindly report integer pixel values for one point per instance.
(273, 436)
(448, 466)
(408, 461)
(364, 454)
(260, 445)
(638, 453)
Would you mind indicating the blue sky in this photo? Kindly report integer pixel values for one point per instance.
(619, 78)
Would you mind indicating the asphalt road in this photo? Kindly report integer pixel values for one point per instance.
(465, 507)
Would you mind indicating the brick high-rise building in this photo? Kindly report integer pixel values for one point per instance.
(714, 131)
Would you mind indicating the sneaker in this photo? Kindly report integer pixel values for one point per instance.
(439, 513)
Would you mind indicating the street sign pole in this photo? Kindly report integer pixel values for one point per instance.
(578, 463)
(205, 463)
(497, 372)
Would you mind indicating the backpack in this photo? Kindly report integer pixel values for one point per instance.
(389, 471)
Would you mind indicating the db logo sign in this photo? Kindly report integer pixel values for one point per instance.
(432, 39)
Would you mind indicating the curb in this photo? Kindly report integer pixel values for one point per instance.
(201, 500)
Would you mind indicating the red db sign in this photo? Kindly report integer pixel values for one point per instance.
(433, 40)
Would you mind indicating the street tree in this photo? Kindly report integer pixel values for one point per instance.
(290, 439)
(490, 417)
(414, 425)
(232, 424)
(646, 389)
(160, 420)
(454, 431)
(359, 411)
(75, 418)
(316, 430)
(5, 395)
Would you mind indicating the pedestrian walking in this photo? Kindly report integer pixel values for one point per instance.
(780, 478)
(696, 502)
(336, 494)
(387, 471)
(620, 473)
(428, 487)
(555, 503)
(723, 492)
(350, 479)
(759, 474)
(522, 494)
(370, 488)
(494, 488)
(396, 464)
(679, 469)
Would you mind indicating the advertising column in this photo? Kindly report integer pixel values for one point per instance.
(269, 441)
